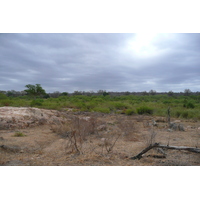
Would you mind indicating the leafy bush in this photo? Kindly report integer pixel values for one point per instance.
(119, 105)
(166, 102)
(144, 110)
(37, 102)
(177, 113)
(90, 105)
(6, 102)
(189, 105)
(129, 112)
(102, 110)
(79, 105)
(3, 96)
(185, 114)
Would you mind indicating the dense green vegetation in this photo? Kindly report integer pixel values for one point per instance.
(187, 107)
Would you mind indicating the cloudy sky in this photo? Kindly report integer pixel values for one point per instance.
(105, 61)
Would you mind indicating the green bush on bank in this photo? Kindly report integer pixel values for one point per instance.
(144, 110)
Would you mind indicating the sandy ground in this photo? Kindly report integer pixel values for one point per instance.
(101, 139)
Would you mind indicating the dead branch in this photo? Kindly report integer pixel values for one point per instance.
(111, 147)
(10, 148)
(156, 145)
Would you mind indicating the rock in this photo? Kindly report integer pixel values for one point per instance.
(101, 128)
(169, 130)
(14, 163)
(23, 117)
(154, 123)
(55, 120)
(176, 127)
(181, 128)
(1, 138)
(176, 121)
(42, 121)
(85, 118)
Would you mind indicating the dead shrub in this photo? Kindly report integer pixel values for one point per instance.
(62, 130)
(129, 130)
(77, 132)
(109, 142)
(150, 138)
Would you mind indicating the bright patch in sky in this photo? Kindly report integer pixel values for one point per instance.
(142, 44)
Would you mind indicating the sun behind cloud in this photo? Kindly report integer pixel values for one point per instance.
(142, 44)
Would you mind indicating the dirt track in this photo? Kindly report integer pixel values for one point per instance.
(46, 141)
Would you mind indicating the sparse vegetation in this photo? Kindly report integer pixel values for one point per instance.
(19, 134)
(184, 104)
(155, 105)
(99, 139)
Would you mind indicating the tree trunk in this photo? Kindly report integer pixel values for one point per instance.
(157, 145)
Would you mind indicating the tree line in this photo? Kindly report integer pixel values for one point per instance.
(37, 90)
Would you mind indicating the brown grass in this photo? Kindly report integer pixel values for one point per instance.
(98, 140)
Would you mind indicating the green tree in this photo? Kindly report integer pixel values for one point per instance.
(152, 92)
(105, 93)
(187, 92)
(3, 96)
(170, 93)
(64, 94)
(35, 90)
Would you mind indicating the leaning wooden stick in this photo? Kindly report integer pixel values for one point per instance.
(156, 145)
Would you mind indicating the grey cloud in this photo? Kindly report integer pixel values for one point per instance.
(68, 62)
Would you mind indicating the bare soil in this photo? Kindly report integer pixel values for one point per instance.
(100, 139)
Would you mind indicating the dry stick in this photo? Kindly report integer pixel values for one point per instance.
(10, 148)
(73, 141)
(110, 149)
(168, 116)
(191, 149)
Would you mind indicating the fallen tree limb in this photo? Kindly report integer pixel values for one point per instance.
(157, 145)
(157, 156)
(10, 148)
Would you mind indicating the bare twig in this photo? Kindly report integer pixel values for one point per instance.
(168, 116)
(111, 147)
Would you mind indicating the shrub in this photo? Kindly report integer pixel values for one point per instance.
(185, 114)
(6, 102)
(129, 112)
(90, 105)
(167, 102)
(36, 102)
(19, 134)
(144, 110)
(177, 114)
(189, 105)
(102, 110)
(80, 105)
(119, 105)
(3, 96)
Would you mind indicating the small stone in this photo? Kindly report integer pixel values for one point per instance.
(101, 128)
(1, 138)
